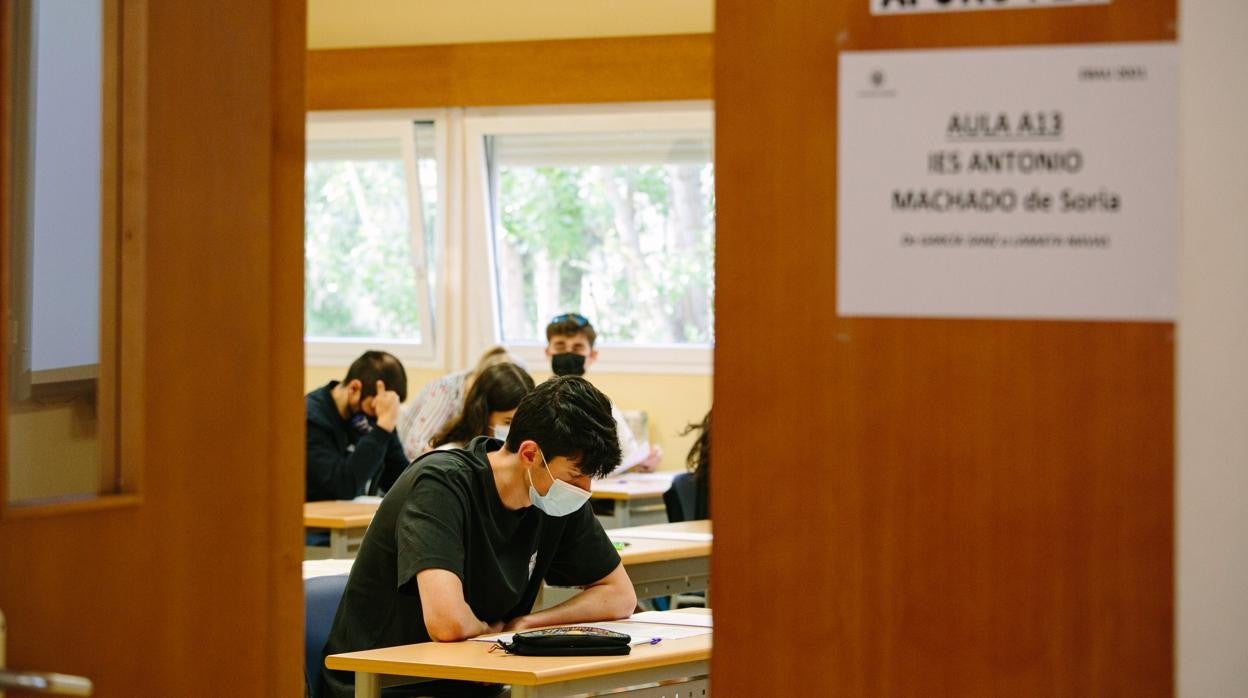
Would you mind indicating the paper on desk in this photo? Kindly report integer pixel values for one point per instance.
(325, 568)
(696, 536)
(368, 499)
(660, 478)
(642, 633)
(699, 620)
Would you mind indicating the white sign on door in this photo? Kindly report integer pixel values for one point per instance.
(1003, 183)
(891, 7)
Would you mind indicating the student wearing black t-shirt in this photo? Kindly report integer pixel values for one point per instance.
(462, 541)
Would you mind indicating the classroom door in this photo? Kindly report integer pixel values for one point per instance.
(952, 507)
(188, 583)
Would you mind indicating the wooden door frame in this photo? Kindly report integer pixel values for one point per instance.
(197, 564)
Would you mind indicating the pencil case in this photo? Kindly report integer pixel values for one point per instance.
(567, 641)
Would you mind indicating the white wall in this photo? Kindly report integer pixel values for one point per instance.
(1212, 563)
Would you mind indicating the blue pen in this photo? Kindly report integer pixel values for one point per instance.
(655, 640)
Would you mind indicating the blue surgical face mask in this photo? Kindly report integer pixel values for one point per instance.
(561, 499)
(500, 431)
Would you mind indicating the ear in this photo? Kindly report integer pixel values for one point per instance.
(354, 387)
(593, 356)
(549, 353)
(528, 452)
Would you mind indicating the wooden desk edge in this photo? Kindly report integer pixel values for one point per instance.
(353, 521)
(638, 557)
(619, 496)
(686, 650)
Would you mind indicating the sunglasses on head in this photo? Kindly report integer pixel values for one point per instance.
(579, 319)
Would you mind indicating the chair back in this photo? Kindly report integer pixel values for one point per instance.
(320, 602)
(681, 499)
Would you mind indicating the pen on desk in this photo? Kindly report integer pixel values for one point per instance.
(655, 640)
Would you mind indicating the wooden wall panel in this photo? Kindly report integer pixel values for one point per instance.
(926, 507)
(568, 71)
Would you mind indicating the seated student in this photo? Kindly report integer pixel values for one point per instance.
(488, 408)
(570, 347)
(688, 499)
(438, 402)
(351, 445)
(461, 543)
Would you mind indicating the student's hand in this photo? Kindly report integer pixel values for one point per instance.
(517, 624)
(386, 405)
(492, 628)
(651, 461)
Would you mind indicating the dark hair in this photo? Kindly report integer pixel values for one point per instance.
(570, 325)
(498, 388)
(569, 417)
(699, 459)
(373, 366)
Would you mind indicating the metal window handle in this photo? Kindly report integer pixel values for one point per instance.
(44, 682)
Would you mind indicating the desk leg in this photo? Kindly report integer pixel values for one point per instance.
(338, 543)
(622, 510)
(367, 685)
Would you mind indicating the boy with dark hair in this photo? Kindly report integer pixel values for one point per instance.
(351, 443)
(460, 545)
(570, 341)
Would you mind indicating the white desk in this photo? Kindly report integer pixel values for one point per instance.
(634, 498)
(662, 566)
(658, 561)
(327, 568)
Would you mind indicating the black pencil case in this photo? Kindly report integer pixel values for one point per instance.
(568, 641)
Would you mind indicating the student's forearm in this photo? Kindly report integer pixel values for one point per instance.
(448, 618)
(455, 626)
(604, 602)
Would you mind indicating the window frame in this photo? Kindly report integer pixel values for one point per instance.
(482, 311)
(430, 351)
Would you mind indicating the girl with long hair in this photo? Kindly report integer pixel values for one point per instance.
(488, 407)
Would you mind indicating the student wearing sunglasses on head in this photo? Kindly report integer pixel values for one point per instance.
(463, 540)
(570, 341)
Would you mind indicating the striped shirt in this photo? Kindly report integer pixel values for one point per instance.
(437, 404)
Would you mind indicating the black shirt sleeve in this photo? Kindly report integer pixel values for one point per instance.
(585, 553)
(335, 474)
(429, 532)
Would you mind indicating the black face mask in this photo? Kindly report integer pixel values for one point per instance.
(568, 364)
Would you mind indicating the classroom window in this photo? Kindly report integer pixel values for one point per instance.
(618, 224)
(370, 264)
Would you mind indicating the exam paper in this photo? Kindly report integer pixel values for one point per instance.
(662, 535)
(326, 568)
(701, 620)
